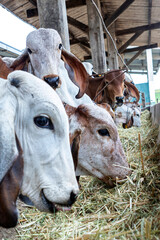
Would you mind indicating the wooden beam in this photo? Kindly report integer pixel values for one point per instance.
(149, 20)
(135, 29)
(133, 58)
(155, 45)
(34, 2)
(32, 12)
(109, 20)
(82, 44)
(83, 27)
(82, 40)
(131, 40)
(73, 3)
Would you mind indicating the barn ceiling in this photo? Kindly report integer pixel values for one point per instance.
(130, 17)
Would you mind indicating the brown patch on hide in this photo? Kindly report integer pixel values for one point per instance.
(4, 70)
(107, 107)
(75, 149)
(20, 62)
(9, 191)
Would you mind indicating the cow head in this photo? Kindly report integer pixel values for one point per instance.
(43, 55)
(111, 88)
(31, 109)
(101, 153)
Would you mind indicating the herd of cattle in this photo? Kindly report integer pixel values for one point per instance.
(56, 130)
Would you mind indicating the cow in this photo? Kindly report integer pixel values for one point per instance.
(100, 151)
(34, 131)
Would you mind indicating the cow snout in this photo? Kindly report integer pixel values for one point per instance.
(53, 81)
(119, 101)
(72, 199)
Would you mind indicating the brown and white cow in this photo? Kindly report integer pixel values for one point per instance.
(100, 151)
(107, 88)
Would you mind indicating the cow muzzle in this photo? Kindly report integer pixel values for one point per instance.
(53, 80)
(54, 207)
(119, 101)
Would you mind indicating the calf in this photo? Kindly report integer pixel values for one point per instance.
(129, 115)
(100, 150)
(31, 109)
(107, 88)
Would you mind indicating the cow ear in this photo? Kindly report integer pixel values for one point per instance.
(4, 69)
(9, 191)
(20, 62)
(8, 151)
(75, 148)
(100, 93)
(133, 90)
(81, 77)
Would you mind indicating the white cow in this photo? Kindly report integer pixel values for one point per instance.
(45, 50)
(32, 109)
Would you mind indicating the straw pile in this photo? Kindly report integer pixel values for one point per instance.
(129, 211)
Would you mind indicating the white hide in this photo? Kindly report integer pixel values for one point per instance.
(46, 59)
(136, 113)
(48, 164)
(123, 114)
(89, 67)
(100, 156)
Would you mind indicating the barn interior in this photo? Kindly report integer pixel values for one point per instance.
(111, 34)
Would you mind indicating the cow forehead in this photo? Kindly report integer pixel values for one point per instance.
(43, 37)
(100, 118)
(21, 82)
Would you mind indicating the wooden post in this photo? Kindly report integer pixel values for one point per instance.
(150, 76)
(52, 14)
(96, 38)
(112, 55)
(120, 63)
(143, 100)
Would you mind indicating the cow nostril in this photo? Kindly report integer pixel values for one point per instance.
(119, 98)
(52, 81)
(119, 101)
(72, 199)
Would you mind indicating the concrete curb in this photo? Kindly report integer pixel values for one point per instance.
(155, 115)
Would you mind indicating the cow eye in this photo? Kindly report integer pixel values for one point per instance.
(29, 50)
(43, 122)
(60, 46)
(103, 132)
(137, 115)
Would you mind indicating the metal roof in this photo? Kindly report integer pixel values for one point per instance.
(138, 14)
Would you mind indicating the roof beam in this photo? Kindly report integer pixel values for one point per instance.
(132, 39)
(155, 45)
(82, 40)
(109, 20)
(77, 24)
(135, 29)
(34, 2)
(32, 12)
(81, 43)
(73, 3)
(83, 27)
(133, 58)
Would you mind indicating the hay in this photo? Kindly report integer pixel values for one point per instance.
(129, 211)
